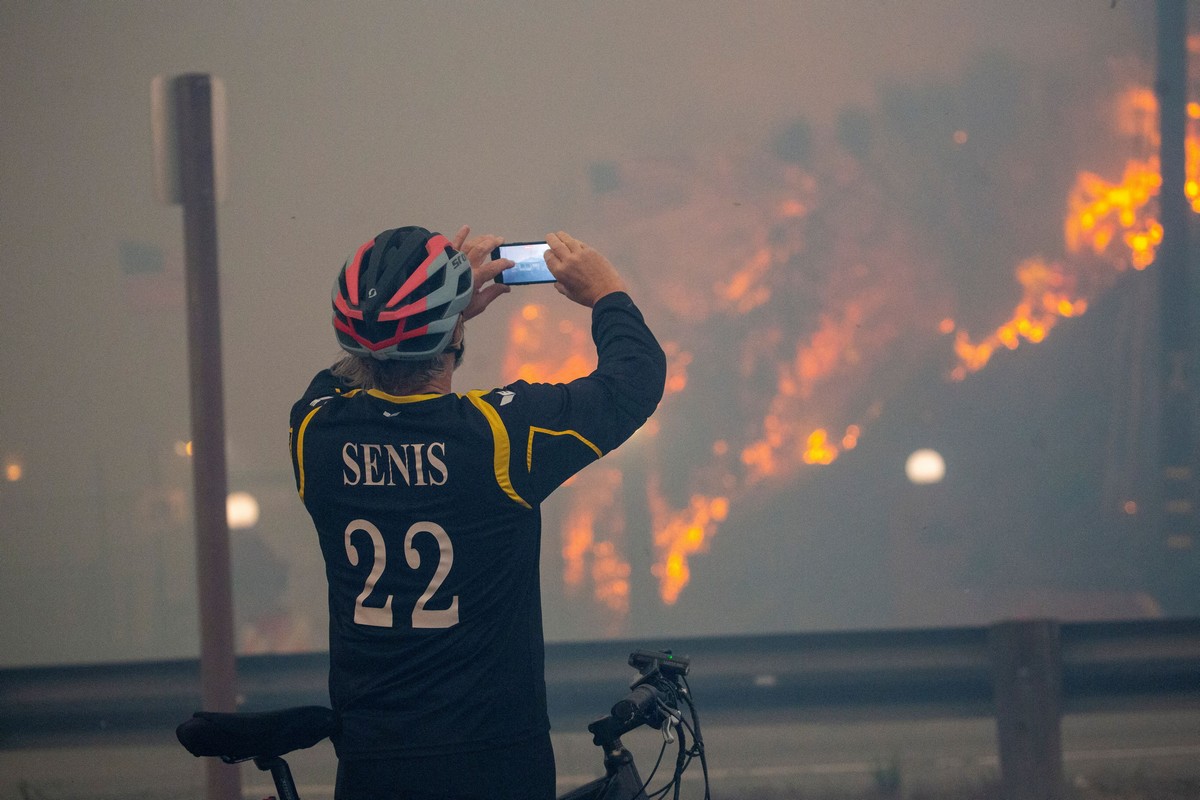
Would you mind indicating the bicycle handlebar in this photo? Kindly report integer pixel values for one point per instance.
(642, 706)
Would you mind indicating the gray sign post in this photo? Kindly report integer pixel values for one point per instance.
(190, 98)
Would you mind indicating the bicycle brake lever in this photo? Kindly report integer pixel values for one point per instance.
(672, 718)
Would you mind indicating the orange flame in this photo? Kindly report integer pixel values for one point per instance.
(1109, 227)
(1103, 217)
(678, 361)
(788, 439)
(542, 350)
(818, 449)
(594, 500)
(745, 289)
(610, 575)
(678, 534)
(1047, 296)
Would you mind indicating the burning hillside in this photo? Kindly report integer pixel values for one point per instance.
(797, 286)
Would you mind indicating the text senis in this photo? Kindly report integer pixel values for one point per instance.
(387, 465)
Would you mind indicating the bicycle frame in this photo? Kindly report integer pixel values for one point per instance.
(621, 781)
(265, 737)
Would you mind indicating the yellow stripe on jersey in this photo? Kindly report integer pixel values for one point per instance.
(300, 449)
(533, 430)
(502, 452)
(397, 398)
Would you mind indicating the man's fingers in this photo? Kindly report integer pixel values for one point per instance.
(479, 249)
(490, 293)
(490, 269)
(485, 242)
(459, 238)
(570, 242)
(562, 246)
(483, 298)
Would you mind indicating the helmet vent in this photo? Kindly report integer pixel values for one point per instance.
(422, 318)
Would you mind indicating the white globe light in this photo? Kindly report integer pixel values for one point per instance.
(241, 510)
(925, 466)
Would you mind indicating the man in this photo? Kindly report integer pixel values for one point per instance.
(426, 504)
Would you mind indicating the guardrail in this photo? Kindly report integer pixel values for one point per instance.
(1026, 674)
(943, 671)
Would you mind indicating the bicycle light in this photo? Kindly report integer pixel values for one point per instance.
(646, 661)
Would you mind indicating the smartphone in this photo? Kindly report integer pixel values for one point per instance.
(529, 263)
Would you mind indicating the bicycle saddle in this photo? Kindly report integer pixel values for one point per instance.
(239, 736)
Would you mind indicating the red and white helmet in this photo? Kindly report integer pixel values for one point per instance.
(399, 295)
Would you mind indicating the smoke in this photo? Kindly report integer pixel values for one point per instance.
(800, 285)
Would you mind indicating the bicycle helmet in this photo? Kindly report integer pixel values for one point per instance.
(399, 295)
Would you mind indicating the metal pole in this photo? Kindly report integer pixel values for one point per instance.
(1176, 436)
(1027, 681)
(193, 97)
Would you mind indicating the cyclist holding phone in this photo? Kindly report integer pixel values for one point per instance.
(426, 504)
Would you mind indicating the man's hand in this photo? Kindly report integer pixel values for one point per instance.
(483, 269)
(583, 274)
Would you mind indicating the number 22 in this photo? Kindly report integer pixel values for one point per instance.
(422, 617)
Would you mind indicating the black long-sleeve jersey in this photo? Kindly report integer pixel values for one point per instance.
(427, 512)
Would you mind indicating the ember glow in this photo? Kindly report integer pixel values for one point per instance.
(804, 280)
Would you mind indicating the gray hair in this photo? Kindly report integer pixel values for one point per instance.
(391, 376)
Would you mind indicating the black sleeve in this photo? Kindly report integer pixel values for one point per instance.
(555, 430)
(322, 387)
(631, 366)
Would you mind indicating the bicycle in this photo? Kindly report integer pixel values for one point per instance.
(655, 699)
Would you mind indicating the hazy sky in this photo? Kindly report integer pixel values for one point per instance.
(344, 119)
